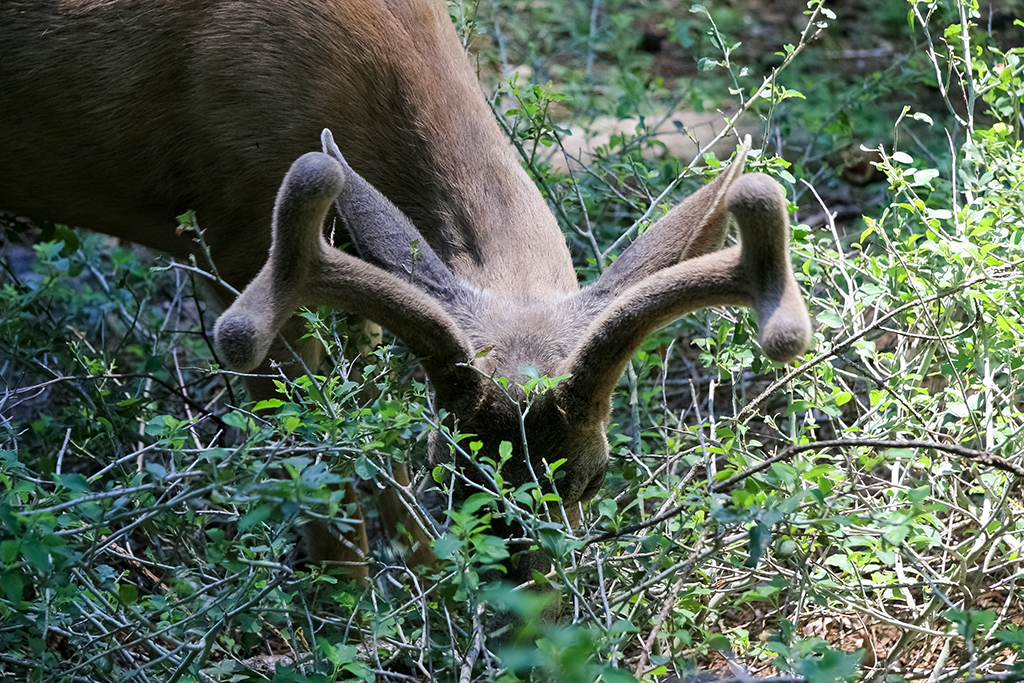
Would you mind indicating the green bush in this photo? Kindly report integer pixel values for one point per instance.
(853, 517)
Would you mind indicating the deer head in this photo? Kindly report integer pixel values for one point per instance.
(587, 335)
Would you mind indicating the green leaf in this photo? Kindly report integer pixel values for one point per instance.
(623, 626)
(36, 554)
(256, 516)
(477, 501)
(447, 545)
(8, 550)
(504, 451)
(832, 666)
(127, 593)
(238, 420)
(268, 403)
(706, 64)
(829, 319)
(364, 468)
(611, 674)
(154, 364)
(760, 536)
(918, 494)
(13, 586)
(971, 623)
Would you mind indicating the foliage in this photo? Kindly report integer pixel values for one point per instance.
(853, 517)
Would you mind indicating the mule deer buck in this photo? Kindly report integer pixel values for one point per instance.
(119, 116)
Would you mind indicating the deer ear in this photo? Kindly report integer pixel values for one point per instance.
(303, 270)
(695, 226)
(756, 273)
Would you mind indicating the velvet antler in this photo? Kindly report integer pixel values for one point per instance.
(303, 270)
(756, 273)
(385, 237)
(694, 227)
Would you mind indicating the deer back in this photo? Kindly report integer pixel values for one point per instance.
(121, 115)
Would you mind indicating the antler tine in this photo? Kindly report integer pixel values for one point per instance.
(384, 236)
(694, 227)
(303, 270)
(759, 206)
(756, 273)
(244, 332)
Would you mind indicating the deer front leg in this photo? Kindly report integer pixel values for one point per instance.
(348, 550)
(325, 546)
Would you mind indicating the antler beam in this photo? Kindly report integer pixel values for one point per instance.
(303, 270)
(756, 273)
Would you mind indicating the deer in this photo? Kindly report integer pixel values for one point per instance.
(120, 116)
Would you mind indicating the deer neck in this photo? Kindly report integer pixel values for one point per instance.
(426, 138)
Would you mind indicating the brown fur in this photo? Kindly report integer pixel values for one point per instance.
(120, 114)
